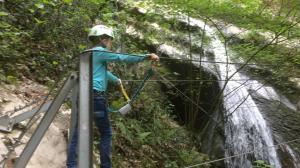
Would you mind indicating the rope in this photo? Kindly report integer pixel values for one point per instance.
(241, 154)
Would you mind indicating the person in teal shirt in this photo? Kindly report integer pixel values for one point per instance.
(102, 36)
(72, 151)
(100, 60)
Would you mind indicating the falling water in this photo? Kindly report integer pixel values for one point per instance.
(247, 133)
(245, 128)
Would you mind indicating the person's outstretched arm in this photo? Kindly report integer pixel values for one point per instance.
(105, 55)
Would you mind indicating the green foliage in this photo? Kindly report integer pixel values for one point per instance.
(148, 136)
(152, 142)
(280, 62)
(261, 164)
(11, 79)
(40, 37)
(251, 14)
(3, 13)
(255, 38)
(190, 157)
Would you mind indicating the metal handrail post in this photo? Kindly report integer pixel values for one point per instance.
(45, 122)
(85, 111)
(74, 110)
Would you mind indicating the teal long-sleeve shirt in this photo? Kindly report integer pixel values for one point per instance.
(100, 60)
(111, 77)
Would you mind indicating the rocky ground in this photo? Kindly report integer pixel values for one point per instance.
(51, 152)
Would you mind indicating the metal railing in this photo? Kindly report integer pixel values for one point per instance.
(80, 87)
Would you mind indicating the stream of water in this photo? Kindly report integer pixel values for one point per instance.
(245, 128)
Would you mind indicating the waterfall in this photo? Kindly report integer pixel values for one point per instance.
(245, 128)
(247, 133)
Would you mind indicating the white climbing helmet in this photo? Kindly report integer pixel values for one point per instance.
(99, 30)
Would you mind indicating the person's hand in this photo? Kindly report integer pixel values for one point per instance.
(119, 82)
(153, 57)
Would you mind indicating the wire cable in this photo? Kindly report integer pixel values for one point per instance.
(241, 154)
(194, 103)
(181, 59)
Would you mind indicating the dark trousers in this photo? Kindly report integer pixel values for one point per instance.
(102, 122)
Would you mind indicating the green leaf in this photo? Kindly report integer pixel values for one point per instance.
(122, 128)
(82, 47)
(39, 21)
(68, 1)
(143, 135)
(49, 2)
(39, 5)
(54, 63)
(3, 13)
(116, 104)
(31, 10)
(4, 25)
(11, 79)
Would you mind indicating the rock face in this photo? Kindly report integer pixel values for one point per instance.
(250, 114)
(51, 152)
(285, 125)
(207, 121)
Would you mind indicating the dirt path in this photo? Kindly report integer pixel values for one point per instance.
(51, 153)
